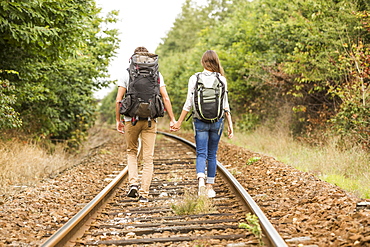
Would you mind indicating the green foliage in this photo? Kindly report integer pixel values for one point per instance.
(61, 54)
(349, 184)
(312, 55)
(193, 204)
(9, 118)
(247, 122)
(179, 53)
(252, 160)
(353, 115)
(107, 108)
(253, 226)
(184, 34)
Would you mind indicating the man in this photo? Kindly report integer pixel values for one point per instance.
(148, 135)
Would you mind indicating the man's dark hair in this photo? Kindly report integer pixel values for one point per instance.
(140, 49)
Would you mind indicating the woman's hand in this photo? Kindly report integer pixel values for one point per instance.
(230, 132)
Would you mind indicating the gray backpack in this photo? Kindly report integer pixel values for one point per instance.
(208, 100)
(143, 99)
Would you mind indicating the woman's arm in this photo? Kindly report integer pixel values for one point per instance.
(230, 129)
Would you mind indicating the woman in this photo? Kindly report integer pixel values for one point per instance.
(207, 135)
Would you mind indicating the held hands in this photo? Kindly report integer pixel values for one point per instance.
(175, 126)
(172, 123)
(120, 127)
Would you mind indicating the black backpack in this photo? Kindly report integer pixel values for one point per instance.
(208, 101)
(143, 99)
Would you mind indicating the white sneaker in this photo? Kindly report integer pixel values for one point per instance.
(202, 191)
(211, 193)
(201, 187)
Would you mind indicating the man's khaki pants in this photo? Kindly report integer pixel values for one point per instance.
(148, 135)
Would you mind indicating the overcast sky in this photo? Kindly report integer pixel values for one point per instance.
(141, 23)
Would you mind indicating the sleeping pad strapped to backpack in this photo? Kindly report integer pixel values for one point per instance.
(143, 99)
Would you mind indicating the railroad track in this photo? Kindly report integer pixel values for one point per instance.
(111, 218)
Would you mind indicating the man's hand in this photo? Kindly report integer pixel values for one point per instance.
(172, 123)
(120, 127)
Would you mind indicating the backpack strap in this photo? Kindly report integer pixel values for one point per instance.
(219, 79)
(190, 115)
(195, 87)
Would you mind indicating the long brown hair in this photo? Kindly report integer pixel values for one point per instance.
(211, 62)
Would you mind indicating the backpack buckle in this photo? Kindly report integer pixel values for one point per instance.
(134, 120)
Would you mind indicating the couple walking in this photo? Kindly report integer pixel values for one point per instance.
(207, 134)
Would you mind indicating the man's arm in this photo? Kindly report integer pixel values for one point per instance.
(119, 125)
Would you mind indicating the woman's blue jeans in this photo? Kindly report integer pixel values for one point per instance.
(207, 137)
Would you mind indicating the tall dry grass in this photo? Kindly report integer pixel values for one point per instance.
(24, 163)
(347, 168)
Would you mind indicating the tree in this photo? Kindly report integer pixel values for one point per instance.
(108, 106)
(60, 55)
(179, 57)
(352, 119)
(9, 118)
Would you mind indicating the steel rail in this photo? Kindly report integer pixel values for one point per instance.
(74, 225)
(271, 236)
